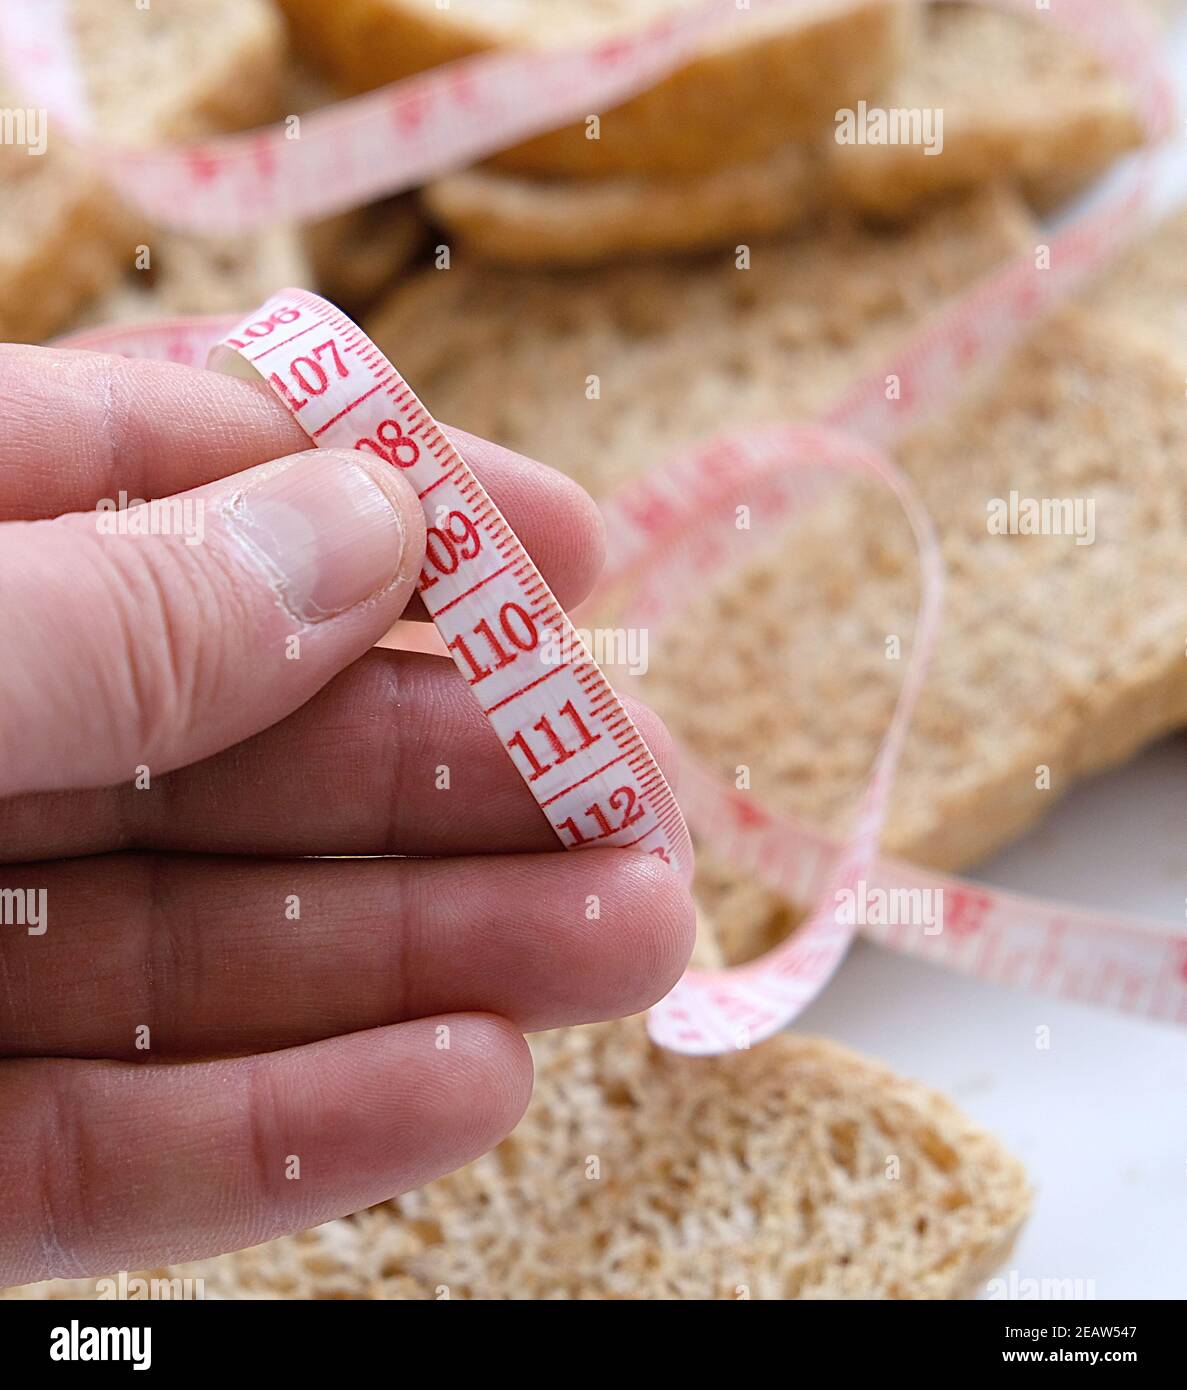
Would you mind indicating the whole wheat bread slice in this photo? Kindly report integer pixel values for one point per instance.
(769, 80)
(798, 1170)
(1052, 654)
(1020, 99)
(61, 240)
(179, 69)
(1145, 293)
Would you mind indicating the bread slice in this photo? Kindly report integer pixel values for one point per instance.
(1021, 98)
(1052, 653)
(769, 79)
(798, 1170)
(677, 352)
(515, 220)
(167, 72)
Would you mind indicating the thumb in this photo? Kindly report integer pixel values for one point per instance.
(157, 635)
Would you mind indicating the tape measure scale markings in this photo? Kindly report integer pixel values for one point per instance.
(563, 727)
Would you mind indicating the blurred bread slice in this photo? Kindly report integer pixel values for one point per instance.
(180, 68)
(1021, 98)
(676, 352)
(515, 220)
(770, 78)
(797, 1170)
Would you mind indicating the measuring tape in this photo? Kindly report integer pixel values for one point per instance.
(554, 712)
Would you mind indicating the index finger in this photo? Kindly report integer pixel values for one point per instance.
(78, 427)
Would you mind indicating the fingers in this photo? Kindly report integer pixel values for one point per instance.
(128, 654)
(187, 957)
(392, 757)
(81, 426)
(115, 1166)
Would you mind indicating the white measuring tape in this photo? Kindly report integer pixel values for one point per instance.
(560, 723)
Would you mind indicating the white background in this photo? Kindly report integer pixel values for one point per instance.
(1099, 1119)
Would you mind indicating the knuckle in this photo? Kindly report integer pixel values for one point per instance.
(265, 1148)
(65, 1178)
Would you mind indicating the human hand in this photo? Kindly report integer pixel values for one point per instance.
(208, 1039)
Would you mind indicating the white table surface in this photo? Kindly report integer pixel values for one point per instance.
(1099, 1119)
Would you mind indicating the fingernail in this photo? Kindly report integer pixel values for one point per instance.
(328, 534)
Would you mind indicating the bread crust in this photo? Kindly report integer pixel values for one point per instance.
(1020, 101)
(737, 102)
(516, 221)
